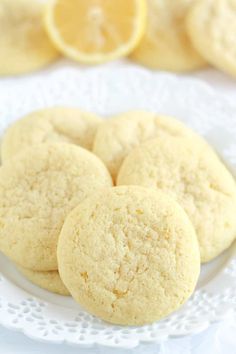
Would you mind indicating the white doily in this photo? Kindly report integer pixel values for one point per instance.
(108, 91)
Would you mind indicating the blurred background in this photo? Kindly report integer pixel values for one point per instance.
(169, 35)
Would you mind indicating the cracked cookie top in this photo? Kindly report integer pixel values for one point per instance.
(57, 124)
(188, 169)
(38, 188)
(129, 255)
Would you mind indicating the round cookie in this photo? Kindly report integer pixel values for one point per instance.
(129, 255)
(24, 44)
(211, 25)
(193, 174)
(166, 45)
(50, 281)
(55, 124)
(117, 136)
(38, 187)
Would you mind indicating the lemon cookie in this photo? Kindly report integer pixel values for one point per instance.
(129, 255)
(24, 44)
(55, 124)
(194, 175)
(50, 281)
(165, 44)
(116, 137)
(38, 187)
(211, 25)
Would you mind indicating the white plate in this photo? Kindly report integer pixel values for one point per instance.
(106, 91)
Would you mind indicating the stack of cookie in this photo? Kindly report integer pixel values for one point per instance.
(128, 253)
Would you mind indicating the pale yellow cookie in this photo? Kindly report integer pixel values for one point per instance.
(24, 44)
(211, 25)
(165, 44)
(38, 187)
(129, 255)
(57, 124)
(50, 281)
(192, 173)
(116, 137)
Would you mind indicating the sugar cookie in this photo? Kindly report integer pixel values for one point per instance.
(24, 44)
(38, 187)
(55, 124)
(193, 174)
(129, 255)
(50, 281)
(211, 25)
(165, 44)
(117, 136)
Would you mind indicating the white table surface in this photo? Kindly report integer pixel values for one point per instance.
(218, 339)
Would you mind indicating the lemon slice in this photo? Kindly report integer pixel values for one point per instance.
(95, 31)
(24, 43)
